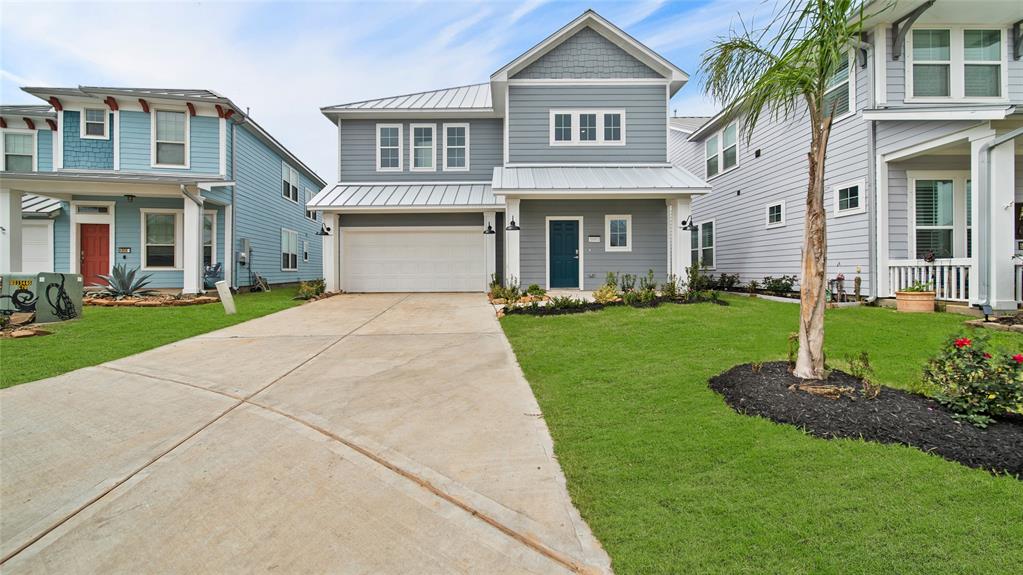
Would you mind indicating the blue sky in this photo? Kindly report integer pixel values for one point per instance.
(286, 60)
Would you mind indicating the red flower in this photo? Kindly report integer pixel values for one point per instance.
(962, 342)
(987, 355)
(1018, 358)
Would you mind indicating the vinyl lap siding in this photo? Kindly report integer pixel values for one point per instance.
(44, 150)
(62, 240)
(358, 151)
(587, 54)
(203, 151)
(645, 122)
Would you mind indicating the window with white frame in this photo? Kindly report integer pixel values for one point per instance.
(389, 147)
(289, 250)
(722, 151)
(592, 127)
(289, 182)
(170, 138)
(19, 152)
(160, 233)
(956, 63)
(209, 238)
(423, 151)
(934, 220)
(839, 97)
(310, 214)
(775, 215)
(94, 123)
(456, 147)
(618, 233)
(702, 245)
(849, 199)
(305, 250)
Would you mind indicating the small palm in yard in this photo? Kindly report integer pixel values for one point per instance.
(786, 69)
(122, 283)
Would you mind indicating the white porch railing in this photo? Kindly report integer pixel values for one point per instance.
(1019, 283)
(949, 278)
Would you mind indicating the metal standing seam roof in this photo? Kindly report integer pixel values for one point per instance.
(688, 123)
(471, 97)
(32, 204)
(406, 196)
(596, 178)
(30, 111)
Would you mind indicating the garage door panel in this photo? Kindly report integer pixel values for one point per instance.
(436, 260)
(36, 246)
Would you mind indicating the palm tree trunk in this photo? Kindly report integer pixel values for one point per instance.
(810, 359)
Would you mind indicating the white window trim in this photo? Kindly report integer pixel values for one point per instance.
(412, 147)
(178, 238)
(401, 139)
(721, 150)
(575, 141)
(851, 81)
(106, 124)
(767, 216)
(700, 248)
(862, 207)
(957, 65)
(607, 233)
(152, 138)
(305, 251)
(282, 252)
(444, 129)
(108, 219)
(213, 237)
(35, 146)
(286, 172)
(959, 178)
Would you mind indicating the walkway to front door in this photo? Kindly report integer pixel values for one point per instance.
(95, 245)
(564, 253)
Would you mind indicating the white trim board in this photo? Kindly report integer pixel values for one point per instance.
(75, 218)
(547, 249)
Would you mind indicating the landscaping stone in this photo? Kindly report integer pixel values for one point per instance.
(22, 318)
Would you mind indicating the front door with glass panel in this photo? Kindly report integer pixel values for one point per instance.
(564, 253)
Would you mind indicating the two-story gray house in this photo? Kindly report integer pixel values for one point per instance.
(924, 177)
(555, 172)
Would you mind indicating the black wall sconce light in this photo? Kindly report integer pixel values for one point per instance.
(687, 224)
(489, 231)
(512, 226)
(324, 230)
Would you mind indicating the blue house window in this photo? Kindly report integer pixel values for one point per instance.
(170, 137)
(19, 152)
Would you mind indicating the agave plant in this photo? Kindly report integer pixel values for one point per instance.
(122, 283)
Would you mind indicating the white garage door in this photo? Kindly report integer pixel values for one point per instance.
(36, 246)
(413, 261)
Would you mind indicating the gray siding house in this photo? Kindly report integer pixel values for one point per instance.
(924, 177)
(555, 172)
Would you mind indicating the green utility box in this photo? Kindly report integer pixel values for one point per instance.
(51, 296)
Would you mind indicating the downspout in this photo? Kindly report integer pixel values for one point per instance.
(233, 280)
(984, 262)
(872, 273)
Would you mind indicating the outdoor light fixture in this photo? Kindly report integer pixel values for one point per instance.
(129, 197)
(512, 226)
(489, 231)
(687, 224)
(324, 230)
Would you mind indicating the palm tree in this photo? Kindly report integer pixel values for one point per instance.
(783, 70)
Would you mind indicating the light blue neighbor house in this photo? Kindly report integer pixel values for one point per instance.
(554, 172)
(175, 182)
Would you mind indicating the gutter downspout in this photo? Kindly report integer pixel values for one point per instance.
(233, 280)
(872, 273)
(984, 262)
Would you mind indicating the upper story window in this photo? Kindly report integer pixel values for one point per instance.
(389, 147)
(956, 63)
(456, 147)
(311, 214)
(722, 152)
(94, 124)
(587, 127)
(170, 139)
(423, 151)
(289, 182)
(19, 152)
(839, 99)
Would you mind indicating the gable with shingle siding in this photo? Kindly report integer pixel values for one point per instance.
(586, 54)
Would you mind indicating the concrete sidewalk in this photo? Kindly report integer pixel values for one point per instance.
(382, 433)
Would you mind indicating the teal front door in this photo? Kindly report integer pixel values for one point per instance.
(564, 253)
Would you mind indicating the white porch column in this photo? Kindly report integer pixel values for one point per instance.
(980, 237)
(192, 247)
(330, 254)
(10, 231)
(883, 276)
(489, 247)
(1002, 229)
(229, 245)
(511, 242)
(679, 211)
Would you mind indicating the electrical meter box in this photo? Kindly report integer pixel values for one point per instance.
(51, 296)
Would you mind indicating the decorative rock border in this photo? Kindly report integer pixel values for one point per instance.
(1018, 328)
(149, 302)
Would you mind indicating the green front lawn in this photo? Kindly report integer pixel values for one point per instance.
(107, 333)
(673, 481)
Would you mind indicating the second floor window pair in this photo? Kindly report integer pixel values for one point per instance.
(956, 63)
(587, 127)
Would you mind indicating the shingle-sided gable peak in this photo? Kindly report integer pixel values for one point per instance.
(586, 54)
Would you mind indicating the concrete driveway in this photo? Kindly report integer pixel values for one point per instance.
(384, 433)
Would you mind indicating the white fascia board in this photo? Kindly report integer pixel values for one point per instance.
(409, 209)
(918, 114)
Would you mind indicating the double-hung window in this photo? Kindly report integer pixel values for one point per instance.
(423, 151)
(170, 139)
(94, 124)
(456, 147)
(389, 138)
(587, 127)
(289, 250)
(209, 238)
(848, 198)
(311, 214)
(289, 182)
(160, 232)
(722, 151)
(702, 245)
(838, 99)
(776, 215)
(982, 63)
(618, 231)
(935, 222)
(956, 63)
(19, 152)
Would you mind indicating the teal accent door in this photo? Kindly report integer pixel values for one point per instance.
(564, 246)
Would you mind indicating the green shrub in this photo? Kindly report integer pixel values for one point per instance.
(647, 296)
(606, 294)
(627, 283)
(566, 302)
(309, 289)
(697, 280)
(753, 286)
(611, 279)
(630, 297)
(670, 288)
(780, 285)
(648, 282)
(727, 281)
(535, 290)
(918, 287)
(974, 383)
(509, 292)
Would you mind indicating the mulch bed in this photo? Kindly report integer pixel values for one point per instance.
(542, 309)
(894, 416)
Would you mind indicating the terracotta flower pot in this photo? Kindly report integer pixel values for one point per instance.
(915, 301)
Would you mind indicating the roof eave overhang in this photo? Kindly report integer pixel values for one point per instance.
(567, 194)
(408, 209)
(407, 113)
(892, 114)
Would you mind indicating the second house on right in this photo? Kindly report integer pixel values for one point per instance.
(924, 176)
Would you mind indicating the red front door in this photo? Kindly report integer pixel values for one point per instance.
(95, 243)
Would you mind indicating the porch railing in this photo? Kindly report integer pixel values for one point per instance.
(950, 278)
(1019, 283)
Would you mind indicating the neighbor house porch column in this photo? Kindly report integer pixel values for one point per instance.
(512, 272)
(330, 253)
(192, 243)
(679, 210)
(10, 231)
(998, 237)
(489, 247)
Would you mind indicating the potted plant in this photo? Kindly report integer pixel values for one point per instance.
(916, 298)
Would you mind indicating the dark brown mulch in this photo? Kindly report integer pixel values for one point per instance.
(895, 416)
(1010, 319)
